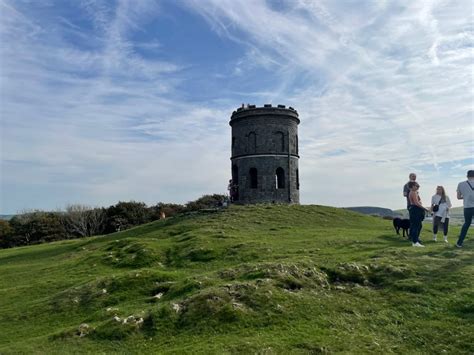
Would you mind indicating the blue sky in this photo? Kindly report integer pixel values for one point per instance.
(104, 101)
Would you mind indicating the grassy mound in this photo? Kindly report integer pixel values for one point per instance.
(256, 279)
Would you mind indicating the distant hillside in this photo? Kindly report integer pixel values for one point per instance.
(377, 211)
(242, 280)
(6, 217)
(456, 214)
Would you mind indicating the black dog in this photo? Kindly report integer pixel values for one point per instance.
(403, 224)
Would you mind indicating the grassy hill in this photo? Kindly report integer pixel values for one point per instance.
(259, 279)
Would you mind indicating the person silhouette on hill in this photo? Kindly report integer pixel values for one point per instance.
(466, 194)
(406, 189)
(417, 213)
(440, 205)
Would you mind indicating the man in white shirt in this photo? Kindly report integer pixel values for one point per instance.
(466, 193)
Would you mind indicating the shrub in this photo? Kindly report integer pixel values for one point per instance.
(169, 209)
(206, 201)
(6, 233)
(37, 227)
(84, 221)
(125, 215)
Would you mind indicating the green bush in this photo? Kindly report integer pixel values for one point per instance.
(206, 201)
(37, 227)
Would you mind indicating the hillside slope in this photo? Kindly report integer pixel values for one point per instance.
(257, 279)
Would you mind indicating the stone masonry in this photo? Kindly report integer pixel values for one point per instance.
(265, 154)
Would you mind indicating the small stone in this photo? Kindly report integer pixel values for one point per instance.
(117, 319)
(104, 291)
(84, 329)
(237, 305)
(176, 307)
(158, 295)
(129, 319)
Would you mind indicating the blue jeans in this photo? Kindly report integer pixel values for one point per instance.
(417, 215)
(468, 214)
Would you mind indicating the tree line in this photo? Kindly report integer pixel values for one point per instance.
(79, 221)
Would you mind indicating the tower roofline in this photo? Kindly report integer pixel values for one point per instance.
(253, 110)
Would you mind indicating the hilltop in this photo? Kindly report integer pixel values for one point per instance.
(255, 279)
(376, 211)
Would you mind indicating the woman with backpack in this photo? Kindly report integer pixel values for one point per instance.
(440, 205)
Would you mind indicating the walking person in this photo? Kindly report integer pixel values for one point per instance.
(440, 205)
(406, 189)
(417, 213)
(230, 188)
(466, 194)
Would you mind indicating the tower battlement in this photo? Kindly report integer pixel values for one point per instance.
(248, 110)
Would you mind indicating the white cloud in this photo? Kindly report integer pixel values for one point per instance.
(97, 126)
(382, 88)
(396, 93)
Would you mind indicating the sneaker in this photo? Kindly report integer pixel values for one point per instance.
(418, 245)
(458, 246)
(445, 239)
(434, 238)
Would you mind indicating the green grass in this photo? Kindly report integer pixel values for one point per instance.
(257, 279)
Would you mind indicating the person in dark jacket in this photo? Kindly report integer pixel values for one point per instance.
(417, 213)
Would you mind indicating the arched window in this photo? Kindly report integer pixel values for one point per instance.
(234, 187)
(252, 142)
(279, 138)
(297, 179)
(233, 142)
(235, 175)
(253, 178)
(280, 178)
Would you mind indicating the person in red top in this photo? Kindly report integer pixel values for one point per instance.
(417, 213)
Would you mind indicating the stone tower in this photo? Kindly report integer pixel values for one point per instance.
(265, 154)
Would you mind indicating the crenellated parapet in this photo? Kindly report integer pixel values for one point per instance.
(246, 111)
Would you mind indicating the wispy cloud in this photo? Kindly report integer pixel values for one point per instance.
(98, 106)
(99, 122)
(388, 84)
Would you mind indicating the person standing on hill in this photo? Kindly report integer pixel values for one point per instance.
(440, 205)
(466, 194)
(417, 213)
(406, 189)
